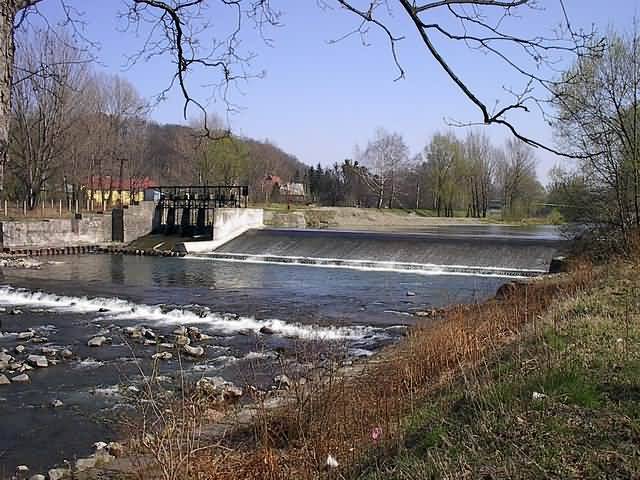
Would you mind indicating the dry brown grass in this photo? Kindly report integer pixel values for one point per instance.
(340, 414)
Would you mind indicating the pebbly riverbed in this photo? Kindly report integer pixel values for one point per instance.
(98, 321)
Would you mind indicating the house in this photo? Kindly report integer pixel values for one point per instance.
(106, 190)
(275, 190)
(292, 191)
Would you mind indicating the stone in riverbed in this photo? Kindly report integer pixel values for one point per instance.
(193, 351)
(162, 356)
(100, 445)
(39, 361)
(39, 340)
(180, 331)
(23, 378)
(37, 476)
(97, 341)
(15, 311)
(282, 381)
(411, 294)
(19, 348)
(59, 473)
(26, 335)
(182, 340)
(148, 334)
(266, 331)
(116, 449)
(4, 380)
(219, 387)
(66, 353)
(167, 345)
(56, 403)
(49, 351)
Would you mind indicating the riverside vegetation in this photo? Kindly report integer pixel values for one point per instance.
(539, 382)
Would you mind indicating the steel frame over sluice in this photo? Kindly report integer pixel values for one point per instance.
(188, 210)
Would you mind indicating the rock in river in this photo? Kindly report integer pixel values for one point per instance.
(4, 380)
(218, 387)
(162, 356)
(20, 348)
(26, 335)
(59, 473)
(193, 351)
(97, 341)
(39, 361)
(24, 378)
(282, 381)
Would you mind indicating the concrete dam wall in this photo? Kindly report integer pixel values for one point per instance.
(467, 253)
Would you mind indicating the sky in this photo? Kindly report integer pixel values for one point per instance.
(319, 98)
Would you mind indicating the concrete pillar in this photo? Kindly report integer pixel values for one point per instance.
(200, 222)
(185, 223)
(171, 220)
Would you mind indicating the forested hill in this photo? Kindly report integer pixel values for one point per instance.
(175, 155)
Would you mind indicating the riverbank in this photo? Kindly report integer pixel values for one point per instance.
(296, 216)
(540, 381)
(560, 400)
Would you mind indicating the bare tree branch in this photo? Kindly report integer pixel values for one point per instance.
(487, 36)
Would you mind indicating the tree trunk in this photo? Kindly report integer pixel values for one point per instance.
(8, 10)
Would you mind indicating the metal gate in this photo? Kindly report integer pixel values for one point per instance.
(117, 225)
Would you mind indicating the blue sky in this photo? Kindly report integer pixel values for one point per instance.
(318, 100)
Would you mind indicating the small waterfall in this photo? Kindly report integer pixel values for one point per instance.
(380, 266)
(429, 254)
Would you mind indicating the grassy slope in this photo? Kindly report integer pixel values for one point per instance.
(584, 356)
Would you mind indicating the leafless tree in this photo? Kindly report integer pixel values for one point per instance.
(517, 177)
(45, 108)
(489, 27)
(598, 115)
(479, 172)
(385, 155)
(180, 30)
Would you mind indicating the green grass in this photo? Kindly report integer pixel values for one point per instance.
(583, 357)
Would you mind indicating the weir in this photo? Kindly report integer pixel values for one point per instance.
(430, 253)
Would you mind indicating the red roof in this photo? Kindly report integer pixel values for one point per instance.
(273, 179)
(108, 181)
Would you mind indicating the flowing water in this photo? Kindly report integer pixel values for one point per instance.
(249, 305)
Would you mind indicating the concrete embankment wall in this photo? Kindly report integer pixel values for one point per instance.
(138, 220)
(285, 219)
(56, 232)
(91, 229)
(228, 223)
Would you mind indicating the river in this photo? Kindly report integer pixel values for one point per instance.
(249, 309)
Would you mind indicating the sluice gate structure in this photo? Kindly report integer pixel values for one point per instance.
(189, 210)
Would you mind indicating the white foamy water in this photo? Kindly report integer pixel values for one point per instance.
(119, 309)
(371, 265)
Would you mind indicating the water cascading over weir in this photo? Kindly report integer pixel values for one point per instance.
(430, 253)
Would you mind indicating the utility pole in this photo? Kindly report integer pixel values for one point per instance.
(122, 160)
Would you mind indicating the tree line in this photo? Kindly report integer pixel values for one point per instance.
(450, 176)
(73, 129)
